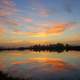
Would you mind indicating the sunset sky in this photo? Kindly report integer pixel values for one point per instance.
(39, 21)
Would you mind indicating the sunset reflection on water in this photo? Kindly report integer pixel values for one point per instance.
(41, 65)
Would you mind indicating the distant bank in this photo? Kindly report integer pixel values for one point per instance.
(52, 47)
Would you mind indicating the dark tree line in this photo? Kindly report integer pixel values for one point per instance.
(5, 76)
(51, 47)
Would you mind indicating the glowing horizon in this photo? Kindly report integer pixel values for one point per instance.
(40, 21)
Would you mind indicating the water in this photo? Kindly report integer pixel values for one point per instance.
(41, 65)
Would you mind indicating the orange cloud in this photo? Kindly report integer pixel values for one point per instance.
(2, 30)
(56, 29)
(60, 28)
(43, 31)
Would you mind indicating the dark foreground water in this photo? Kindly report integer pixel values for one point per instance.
(41, 65)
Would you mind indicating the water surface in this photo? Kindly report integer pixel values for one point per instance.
(41, 65)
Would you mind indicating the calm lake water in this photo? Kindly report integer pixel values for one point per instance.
(41, 65)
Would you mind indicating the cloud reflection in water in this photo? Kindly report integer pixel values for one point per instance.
(43, 68)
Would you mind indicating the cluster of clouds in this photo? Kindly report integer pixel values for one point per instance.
(8, 10)
(42, 10)
(27, 26)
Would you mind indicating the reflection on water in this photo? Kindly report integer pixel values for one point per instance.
(41, 65)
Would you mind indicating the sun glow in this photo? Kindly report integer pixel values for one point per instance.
(40, 35)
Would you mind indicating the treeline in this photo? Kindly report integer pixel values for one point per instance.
(4, 76)
(55, 47)
(51, 47)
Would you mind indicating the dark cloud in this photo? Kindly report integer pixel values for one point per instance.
(68, 6)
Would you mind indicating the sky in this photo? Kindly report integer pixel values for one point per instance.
(39, 21)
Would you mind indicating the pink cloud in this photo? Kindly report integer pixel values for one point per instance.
(28, 20)
(19, 23)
